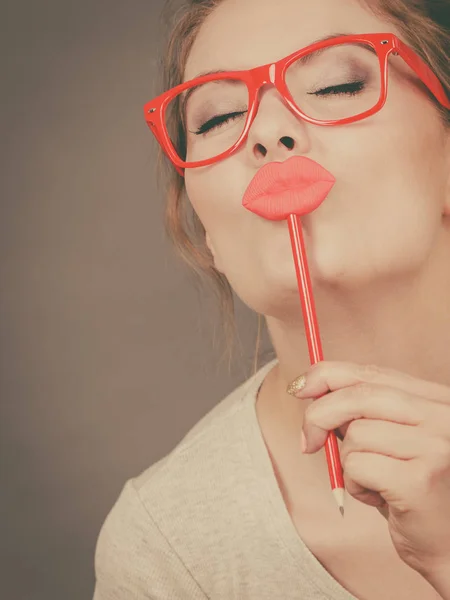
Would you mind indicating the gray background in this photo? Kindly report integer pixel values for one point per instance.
(107, 353)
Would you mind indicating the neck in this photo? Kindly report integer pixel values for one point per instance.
(403, 324)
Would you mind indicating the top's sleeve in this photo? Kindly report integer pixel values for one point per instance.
(134, 560)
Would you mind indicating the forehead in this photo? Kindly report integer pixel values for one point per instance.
(241, 34)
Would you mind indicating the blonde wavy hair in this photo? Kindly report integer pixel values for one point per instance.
(425, 26)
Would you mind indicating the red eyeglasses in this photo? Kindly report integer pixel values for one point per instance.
(335, 81)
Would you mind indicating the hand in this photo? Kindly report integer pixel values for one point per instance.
(395, 451)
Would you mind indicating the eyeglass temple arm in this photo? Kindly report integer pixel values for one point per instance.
(424, 72)
(159, 140)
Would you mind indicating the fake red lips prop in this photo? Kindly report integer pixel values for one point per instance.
(296, 186)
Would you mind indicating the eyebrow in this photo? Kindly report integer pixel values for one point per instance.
(321, 39)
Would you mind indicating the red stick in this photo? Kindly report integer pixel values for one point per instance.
(315, 347)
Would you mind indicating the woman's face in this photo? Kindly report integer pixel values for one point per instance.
(382, 219)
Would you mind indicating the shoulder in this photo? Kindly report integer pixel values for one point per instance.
(163, 517)
(133, 558)
(181, 479)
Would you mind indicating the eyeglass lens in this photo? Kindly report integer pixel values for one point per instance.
(330, 84)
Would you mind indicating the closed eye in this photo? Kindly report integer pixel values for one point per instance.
(350, 89)
(217, 121)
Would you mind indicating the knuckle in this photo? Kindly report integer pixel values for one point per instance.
(363, 390)
(440, 453)
(351, 465)
(423, 481)
(353, 430)
(370, 372)
(309, 414)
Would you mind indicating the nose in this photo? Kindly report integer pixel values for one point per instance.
(276, 133)
(261, 150)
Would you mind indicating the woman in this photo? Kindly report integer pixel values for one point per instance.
(237, 510)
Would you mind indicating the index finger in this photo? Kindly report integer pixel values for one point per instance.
(328, 376)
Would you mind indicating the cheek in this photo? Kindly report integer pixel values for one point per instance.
(235, 232)
(384, 212)
(208, 198)
(216, 196)
(411, 186)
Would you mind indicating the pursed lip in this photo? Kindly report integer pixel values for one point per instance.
(295, 186)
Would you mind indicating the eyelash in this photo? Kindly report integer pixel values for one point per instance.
(351, 89)
(217, 121)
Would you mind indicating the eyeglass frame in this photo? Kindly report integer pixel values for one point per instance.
(384, 44)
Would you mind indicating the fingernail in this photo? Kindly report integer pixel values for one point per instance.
(297, 385)
(303, 441)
